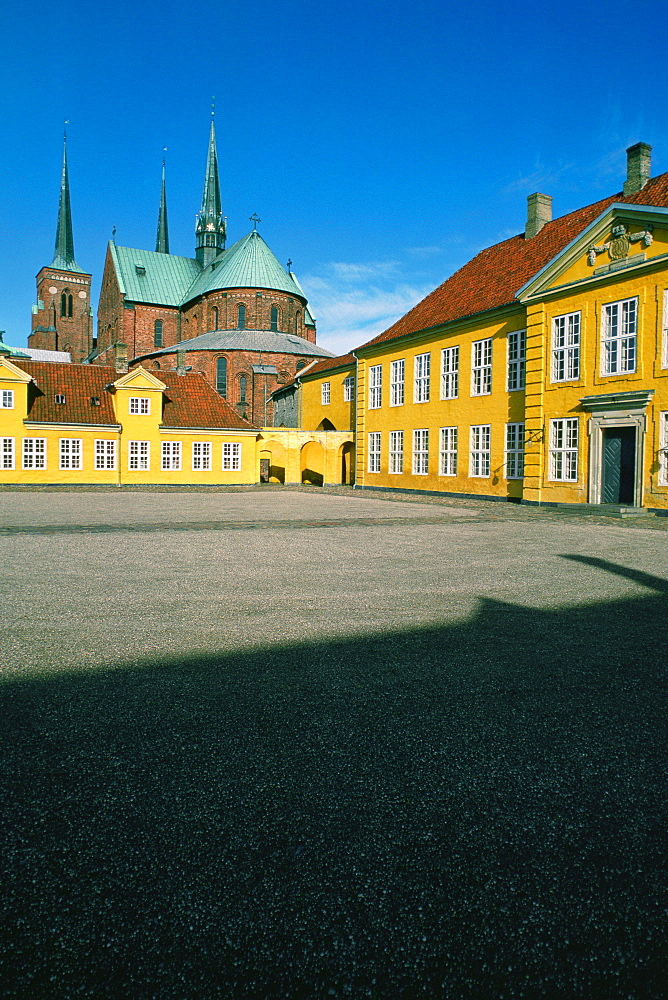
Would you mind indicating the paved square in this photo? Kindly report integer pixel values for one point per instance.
(299, 744)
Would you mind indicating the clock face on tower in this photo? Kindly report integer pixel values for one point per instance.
(52, 289)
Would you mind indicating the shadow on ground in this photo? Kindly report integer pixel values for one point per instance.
(475, 811)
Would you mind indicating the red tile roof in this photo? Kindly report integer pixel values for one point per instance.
(78, 384)
(189, 400)
(492, 278)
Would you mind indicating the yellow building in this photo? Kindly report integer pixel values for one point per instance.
(84, 424)
(537, 372)
(92, 425)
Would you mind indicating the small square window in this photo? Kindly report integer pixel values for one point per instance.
(140, 405)
(95, 401)
(60, 398)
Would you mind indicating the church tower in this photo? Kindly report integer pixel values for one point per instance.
(210, 229)
(62, 317)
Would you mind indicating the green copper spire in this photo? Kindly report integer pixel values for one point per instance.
(210, 229)
(64, 255)
(162, 239)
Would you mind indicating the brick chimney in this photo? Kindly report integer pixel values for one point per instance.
(638, 167)
(539, 211)
(121, 358)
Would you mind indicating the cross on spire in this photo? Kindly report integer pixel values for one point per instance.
(255, 219)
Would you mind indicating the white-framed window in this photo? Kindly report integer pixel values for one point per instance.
(396, 452)
(170, 456)
(515, 451)
(397, 377)
(481, 370)
(564, 450)
(325, 393)
(450, 373)
(105, 453)
(139, 455)
(8, 459)
(71, 453)
(375, 387)
(34, 453)
(620, 331)
(517, 360)
(140, 404)
(231, 457)
(421, 373)
(566, 348)
(374, 451)
(481, 438)
(663, 449)
(348, 389)
(664, 356)
(421, 452)
(447, 456)
(201, 456)
(7, 399)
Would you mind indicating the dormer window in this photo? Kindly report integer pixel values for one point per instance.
(95, 401)
(60, 398)
(140, 269)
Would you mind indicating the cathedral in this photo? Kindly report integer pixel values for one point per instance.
(235, 314)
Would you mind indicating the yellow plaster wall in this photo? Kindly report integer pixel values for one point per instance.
(340, 413)
(295, 450)
(548, 400)
(496, 409)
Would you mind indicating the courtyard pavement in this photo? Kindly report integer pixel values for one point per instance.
(295, 743)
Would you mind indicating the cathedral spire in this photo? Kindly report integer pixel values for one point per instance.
(210, 227)
(162, 239)
(64, 254)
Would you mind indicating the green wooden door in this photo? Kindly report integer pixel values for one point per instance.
(619, 460)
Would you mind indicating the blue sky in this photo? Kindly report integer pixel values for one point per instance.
(381, 143)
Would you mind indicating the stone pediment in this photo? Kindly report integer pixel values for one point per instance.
(622, 238)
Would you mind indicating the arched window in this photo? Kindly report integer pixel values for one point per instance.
(221, 376)
(215, 317)
(298, 317)
(157, 333)
(274, 318)
(65, 304)
(300, 365)
(243, 381)
(241, 317)
(156, 364)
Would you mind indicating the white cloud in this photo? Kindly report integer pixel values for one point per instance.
(355, 302)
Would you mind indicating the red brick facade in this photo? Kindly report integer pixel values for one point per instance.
(62, 319)
(255, 401)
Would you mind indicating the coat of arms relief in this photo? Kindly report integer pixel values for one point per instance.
(619, 244)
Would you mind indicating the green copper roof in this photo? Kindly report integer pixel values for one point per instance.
(12, 352)
(249, 263)
(64, 254)
(162, 238)
(158, 278)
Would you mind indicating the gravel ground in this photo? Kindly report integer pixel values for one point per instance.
(308, 744)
